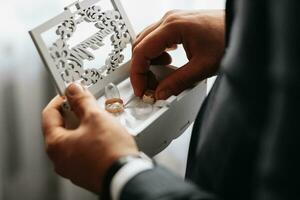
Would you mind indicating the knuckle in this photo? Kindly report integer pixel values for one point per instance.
(172, 25)
(172, 18)
(170, 12)
(137, 50)
(44, 112)
(52, 149)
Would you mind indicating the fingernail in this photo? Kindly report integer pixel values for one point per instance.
(164, 94)
(74, 89)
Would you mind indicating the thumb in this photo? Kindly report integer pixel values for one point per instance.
(179, 80)
(81, 100)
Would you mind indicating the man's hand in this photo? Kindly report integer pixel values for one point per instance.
(85, 154)
(202, 36)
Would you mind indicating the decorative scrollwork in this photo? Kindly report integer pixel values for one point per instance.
(69, 61)
(92, 14)
(69, 75)
(66, 29)
(91, 76)
(60, 53)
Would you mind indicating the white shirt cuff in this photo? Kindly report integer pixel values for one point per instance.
(126, 173)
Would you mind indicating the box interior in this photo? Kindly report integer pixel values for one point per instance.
(138, 115)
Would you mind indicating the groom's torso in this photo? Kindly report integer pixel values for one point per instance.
(226, 136)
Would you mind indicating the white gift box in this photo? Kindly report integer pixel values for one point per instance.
(70, 60)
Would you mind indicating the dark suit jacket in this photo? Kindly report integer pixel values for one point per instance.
(246, 138)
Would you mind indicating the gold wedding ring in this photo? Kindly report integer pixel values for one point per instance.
(149, 97)
(114, 105)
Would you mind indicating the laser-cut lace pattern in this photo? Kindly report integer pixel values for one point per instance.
(69, 61)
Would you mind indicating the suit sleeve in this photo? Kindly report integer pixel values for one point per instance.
(280, 161)
(161, 184)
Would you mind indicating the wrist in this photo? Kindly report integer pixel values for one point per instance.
(121, 171)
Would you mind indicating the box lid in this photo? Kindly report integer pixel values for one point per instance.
(87, 43)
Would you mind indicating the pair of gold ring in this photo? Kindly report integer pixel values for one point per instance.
(116, 105)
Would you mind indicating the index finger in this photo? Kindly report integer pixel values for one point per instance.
(152, 46)
(51, 117)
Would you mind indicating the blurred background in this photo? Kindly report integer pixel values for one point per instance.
(25, 172)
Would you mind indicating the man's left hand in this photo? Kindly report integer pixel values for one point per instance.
(85, 154)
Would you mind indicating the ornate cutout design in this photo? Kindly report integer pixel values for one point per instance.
(69, 62)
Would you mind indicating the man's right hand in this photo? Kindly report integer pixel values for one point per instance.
(202, 36)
